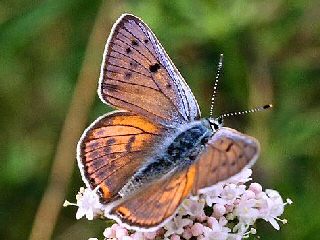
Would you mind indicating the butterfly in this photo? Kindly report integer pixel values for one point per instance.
(147, 157)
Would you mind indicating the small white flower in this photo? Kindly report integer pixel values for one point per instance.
(273, 209)
(213, 195)
(109, 233)
(246, 211)
(276, 204)
(218, 225)
(219, 210)
(88, 204)
(193, 207)
(231, 192)
(121, 233)
(241, 229)
(176, 225)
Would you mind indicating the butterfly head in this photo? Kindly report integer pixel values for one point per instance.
(215, 123)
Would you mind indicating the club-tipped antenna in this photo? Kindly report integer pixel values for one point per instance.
(216, 83)
(257, 109)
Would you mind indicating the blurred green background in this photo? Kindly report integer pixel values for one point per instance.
(272, 55)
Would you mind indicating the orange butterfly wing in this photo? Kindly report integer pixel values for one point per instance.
(155, 203)
(137, 75)
(226, 154)
(113, 148)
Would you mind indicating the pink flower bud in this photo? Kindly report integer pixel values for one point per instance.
(175, 237)
(197, 229)
(255, 187)
(229, 207)
(187, 234)
(212, 221)
(201, 217)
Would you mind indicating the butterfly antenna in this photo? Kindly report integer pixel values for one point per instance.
(257, 109)
(216, 84)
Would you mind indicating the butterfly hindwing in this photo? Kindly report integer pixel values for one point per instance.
(113, 148)
(137, 75)
(156, 202)
(225, 155)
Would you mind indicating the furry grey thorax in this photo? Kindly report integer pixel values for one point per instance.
(178, 153)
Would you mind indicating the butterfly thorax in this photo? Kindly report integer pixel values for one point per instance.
(179, 153)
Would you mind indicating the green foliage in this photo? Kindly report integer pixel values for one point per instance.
(271, 51)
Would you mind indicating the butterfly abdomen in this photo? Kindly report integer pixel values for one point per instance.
(179, 154)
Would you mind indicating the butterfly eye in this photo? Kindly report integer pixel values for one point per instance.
(215, 126)
(220, 120)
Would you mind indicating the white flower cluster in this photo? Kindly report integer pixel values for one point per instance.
(227, 211)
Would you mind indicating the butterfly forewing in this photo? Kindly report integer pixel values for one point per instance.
(226, 154)
(138, 75)
(113, 148)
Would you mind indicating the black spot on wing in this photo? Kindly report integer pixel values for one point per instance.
(134, 42)
(128, 75)
(107, 150)
(111, 141)
(133, 64)
(229, 147)
(128, 50)
(154, 68)
(130, 142)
